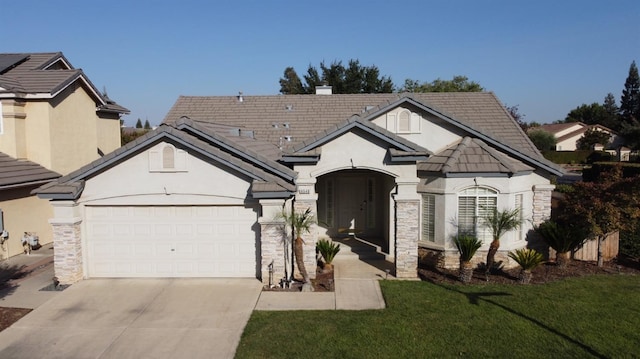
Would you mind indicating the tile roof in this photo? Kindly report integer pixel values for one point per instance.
(262, 174)
(302, 118)
(32, 73)
(19, 173)
(472, 155)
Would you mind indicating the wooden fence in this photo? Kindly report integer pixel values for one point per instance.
(589, 250)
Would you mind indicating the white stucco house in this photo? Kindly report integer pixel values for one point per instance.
(199, 196)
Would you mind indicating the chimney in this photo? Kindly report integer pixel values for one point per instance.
(323, 90)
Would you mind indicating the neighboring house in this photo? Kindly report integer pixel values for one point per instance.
(52, 121)
(200, 195)
(568, 134)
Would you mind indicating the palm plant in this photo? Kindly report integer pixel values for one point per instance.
(468, 245)
(528, 259)
(300, 222)
(328, 250)
(500, 222)
(562, 238)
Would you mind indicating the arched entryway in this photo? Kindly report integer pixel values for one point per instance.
(356, 202)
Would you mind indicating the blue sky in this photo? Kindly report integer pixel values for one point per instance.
(547, 57)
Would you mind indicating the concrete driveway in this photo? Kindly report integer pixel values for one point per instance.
(136, 318)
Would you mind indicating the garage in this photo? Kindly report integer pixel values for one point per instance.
(171, 241)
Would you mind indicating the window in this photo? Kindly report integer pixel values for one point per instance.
(519, 205)
(473, 204)
(168, 157)
(428, 217)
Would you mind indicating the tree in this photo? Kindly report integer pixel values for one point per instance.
(457, 84)
(630, 100)
(147, 126)
(300, 223)
(612, 110)
(499, 222)
(139, 124)
(592, 137)
(594, 114)
(290, 84)
(352, 79)
(467, 245)
(605, 206)
(514, 111)
(543, 140)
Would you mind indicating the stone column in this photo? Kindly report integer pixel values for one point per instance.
(542, 203)
(306, 197)
(67, 242)
(272, 240)
(407, 207)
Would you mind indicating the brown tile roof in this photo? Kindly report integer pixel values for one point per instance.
(27, 73)
(472, 155)
(554, 128)
(18, 173)
(264, 175)
(305, 117)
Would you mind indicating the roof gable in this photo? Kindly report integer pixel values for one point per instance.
(71, 185)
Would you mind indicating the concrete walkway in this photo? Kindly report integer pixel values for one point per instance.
(357, 269)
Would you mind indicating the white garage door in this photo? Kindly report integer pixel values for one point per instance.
(170, 241)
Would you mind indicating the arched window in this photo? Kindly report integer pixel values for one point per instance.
(168, 157)
(404, 122)
(473, 204)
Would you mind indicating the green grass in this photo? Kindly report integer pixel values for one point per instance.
(597, 316)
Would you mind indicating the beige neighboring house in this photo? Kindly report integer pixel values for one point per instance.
(52, 121)
(568, 134)
(200, 195)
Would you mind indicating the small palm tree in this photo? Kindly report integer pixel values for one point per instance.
(467, 245)
(300, 222)
(500, 222)
(562, 238)
(328, 250)
(528, 259)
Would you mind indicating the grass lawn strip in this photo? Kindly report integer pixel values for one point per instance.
(594, 316)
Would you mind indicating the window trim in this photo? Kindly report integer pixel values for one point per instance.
(479, 192)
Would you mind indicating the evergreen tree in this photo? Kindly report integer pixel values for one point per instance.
(611, 109)
(630, 101)
(352, 79)
(139, 124)
(290, 84)
(147, 126)
(591, 138)
(594, 114)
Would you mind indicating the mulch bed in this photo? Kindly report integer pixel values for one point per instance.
(548, 272)
(322, 283)
(9, 316)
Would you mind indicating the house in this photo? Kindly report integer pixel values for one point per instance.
(568, 134)
(52, 121)
(200, 195)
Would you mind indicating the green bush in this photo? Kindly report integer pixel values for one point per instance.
(567, 157)
(562, 238)
(630, 241)
(527, 258)
(593, 174)
(327, 249)
(467, 245)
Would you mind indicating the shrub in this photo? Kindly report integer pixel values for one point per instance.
(467, 245)
(527, 258)
(328, 250)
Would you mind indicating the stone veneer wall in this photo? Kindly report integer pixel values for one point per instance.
(67, 247)
(541, 203)
(407, 235)
(272, 250)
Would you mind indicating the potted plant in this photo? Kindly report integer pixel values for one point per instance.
(467, 244)
(528, 259)
(328, 251)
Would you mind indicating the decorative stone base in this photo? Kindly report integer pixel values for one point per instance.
(450, 259)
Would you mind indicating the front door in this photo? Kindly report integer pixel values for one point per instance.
(352, 205)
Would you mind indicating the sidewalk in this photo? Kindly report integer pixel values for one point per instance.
(357, 271)
(22, 277)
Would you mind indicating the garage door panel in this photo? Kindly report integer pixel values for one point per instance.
(171, 241)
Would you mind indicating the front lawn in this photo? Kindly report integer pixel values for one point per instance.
(595, 316)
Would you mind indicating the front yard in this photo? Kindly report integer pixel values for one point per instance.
(593, 316)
